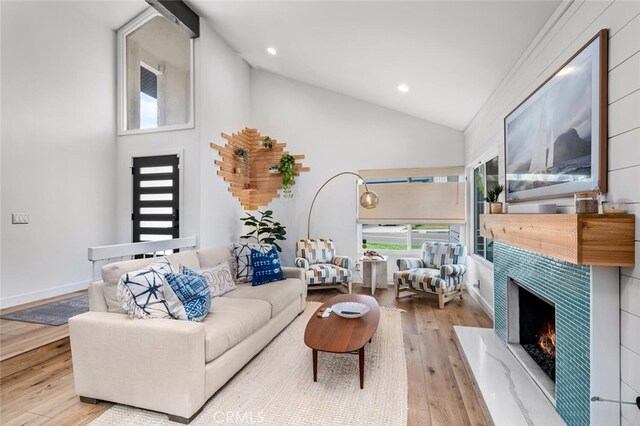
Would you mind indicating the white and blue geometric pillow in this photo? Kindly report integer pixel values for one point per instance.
(241, 256)
(141, 292)
(193, 291)
(266, 267)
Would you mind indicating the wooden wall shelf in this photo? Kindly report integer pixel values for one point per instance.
(263, 184)
(583, 239)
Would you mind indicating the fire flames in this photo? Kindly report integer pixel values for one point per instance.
(547, 339)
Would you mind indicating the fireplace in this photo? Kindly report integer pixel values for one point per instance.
(532, 334)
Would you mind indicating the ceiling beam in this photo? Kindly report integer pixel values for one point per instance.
(178, 12)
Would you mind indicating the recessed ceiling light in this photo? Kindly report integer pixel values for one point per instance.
(403, 88)
(271, 51)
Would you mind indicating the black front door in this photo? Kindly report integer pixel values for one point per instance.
(155, 198)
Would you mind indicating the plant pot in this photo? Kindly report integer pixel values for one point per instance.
(495, 208)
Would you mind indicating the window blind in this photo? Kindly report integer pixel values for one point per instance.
(436, 202)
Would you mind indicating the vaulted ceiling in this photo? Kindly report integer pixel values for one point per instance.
(451, 54)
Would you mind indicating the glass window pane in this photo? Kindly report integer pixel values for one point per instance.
(156, 210)
(154, 237)
(385, 237)
(156, 197)
(478, 209)
(155, 183)
(423, 233)
(156, 224)
(150, 170)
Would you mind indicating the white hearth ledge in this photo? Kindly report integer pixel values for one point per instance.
(510, 395)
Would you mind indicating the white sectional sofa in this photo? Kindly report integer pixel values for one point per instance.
(174, 366)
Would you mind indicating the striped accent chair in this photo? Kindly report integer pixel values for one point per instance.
(323, 269)
(439, 270)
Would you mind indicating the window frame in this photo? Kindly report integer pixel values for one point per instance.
(475, 225)
(121, 42)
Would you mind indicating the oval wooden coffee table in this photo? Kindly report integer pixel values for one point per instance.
(341, 335)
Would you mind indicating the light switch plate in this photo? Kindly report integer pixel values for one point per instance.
(20, 218)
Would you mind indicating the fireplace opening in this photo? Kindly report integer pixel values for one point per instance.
(538, 330)
(531, 334)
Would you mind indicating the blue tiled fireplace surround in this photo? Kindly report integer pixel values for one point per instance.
(568, 286)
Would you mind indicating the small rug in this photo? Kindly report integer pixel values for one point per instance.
(54, 313)
(277, 387)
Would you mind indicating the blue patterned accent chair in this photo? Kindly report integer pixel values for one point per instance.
(323, 269)
(439, 270)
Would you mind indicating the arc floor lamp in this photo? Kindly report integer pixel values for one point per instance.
(368, 199)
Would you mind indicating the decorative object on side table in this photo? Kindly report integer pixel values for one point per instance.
(368, 200)
(265, 230)
(556, 139)
(493, 194)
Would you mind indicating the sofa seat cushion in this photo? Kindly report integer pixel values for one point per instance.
(279, 294)
(230, 321)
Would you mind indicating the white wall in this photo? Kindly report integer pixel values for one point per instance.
(222, 104)
(555, 44)
(58, 147)
(338, 133)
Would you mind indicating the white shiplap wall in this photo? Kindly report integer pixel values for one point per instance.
(573, 24)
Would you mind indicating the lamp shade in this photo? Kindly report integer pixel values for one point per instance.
(369, 200)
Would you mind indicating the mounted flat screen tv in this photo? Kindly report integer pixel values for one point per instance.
(556, 139)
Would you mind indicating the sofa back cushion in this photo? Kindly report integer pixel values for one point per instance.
(436, 254)
(316, 251)
(112, 272)
(213, 256)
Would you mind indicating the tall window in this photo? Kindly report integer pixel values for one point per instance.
(155, 77)
(485, 177)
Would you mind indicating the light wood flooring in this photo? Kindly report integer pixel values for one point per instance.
(440, 389)
(18, 337)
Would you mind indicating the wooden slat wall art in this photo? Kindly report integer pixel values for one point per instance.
(253, 185)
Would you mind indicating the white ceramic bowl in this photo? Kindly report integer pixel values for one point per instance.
(350, 309)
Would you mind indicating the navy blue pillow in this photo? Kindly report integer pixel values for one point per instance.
(193, 291)
(266, 267)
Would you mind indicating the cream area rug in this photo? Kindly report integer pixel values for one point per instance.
(277, 387)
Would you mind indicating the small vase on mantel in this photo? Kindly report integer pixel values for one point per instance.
(495, 208)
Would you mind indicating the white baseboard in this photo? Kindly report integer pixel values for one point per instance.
(473, 291)
(20, 299)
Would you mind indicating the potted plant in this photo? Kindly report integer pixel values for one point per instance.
(265, 229)
(492, 198)
(267, 142)
(242, 153)
(286, 170)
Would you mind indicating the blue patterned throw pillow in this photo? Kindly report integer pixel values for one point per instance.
(193, 291)
(266, 267)
(141, 292)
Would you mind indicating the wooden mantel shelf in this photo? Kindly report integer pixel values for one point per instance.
(583, 239)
